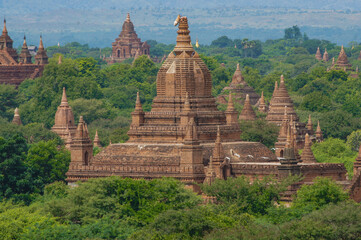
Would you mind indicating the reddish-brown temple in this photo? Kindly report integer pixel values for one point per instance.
(14, 68)
(177, 137)
(127, 44)
(186, 137)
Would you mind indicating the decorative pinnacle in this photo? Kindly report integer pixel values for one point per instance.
(238, 69)
(64, 100)
(282, 79)
(261, 101)
(16, 112)
(128, 18)
(318, 127)
(276, 87)
(309, 120)
(307, 139)
(230, 106)
(41, 45)
(5, 31)
(24, 44)
(138, 104)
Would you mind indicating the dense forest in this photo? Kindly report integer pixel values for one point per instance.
(36, 203)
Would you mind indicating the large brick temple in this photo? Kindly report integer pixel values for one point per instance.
(186, 137)
(14, 68)
(127, 44)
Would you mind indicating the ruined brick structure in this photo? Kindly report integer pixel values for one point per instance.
(127, 44)
(14, 68)
(239, 88)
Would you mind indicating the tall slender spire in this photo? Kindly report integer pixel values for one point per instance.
(128, 17)
(64, 100)
(41, 45)
(41, 58)
(96, 141)
(309, 124)
(138, 104)
(307, 154)
(318, 55)
(230, 106)
(319, 135)
(5, 31)
(25, 56)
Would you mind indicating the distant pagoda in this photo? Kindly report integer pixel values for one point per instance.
(127, 44)
(342, 62)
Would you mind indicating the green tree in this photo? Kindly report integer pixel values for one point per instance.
(8, 100)
(334, 150)
(222, 42)
(15, 181)
(259, 131)
(323, 191)
(354, 140)
(47, 163)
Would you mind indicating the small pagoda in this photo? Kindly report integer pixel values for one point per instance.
(239, 88)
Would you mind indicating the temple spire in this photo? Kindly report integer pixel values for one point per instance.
(41, 45)
(262, 107)
(307, 154)
(230, 106)
(138, 104)
(247, 111)
(25, 56)
(5, 31)
(64, 100)
(96, 141)
(319, 135)
(309, 124)
(128, 17)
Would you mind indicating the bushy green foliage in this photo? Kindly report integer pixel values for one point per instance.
(335, 151)
(322, 192)
(243, 196)
(259, 131)
(354, 140)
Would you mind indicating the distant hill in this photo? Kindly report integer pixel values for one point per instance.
(99, 22)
